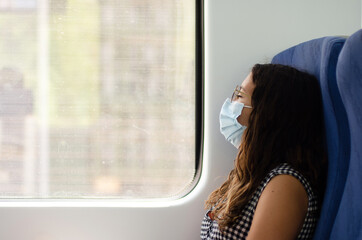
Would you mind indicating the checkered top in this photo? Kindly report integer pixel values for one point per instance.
(210, 229)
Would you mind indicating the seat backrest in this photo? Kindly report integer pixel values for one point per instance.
(348, 222)
(319, 57)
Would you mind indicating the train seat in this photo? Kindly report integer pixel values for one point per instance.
(348, 221)
(319, 57)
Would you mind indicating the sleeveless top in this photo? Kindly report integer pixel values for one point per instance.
(210, 229)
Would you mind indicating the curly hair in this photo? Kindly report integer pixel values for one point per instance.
(286, 125)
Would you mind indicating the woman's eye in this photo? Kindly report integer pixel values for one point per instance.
(239, 96)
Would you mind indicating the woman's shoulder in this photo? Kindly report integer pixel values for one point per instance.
(286, 170)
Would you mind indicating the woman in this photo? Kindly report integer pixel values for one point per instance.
(275, 190)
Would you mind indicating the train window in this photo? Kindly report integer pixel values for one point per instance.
(98, 98)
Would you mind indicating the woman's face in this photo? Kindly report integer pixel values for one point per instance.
(244, 96)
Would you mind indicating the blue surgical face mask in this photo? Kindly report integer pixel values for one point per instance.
(229, 125)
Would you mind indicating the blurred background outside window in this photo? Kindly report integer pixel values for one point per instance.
(97, 98)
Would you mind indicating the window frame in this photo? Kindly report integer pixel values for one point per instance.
(199, 138)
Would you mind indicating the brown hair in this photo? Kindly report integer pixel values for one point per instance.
(285, 126)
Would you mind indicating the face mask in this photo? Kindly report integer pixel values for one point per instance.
(229, 125)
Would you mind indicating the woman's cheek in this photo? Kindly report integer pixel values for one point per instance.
(244, 117)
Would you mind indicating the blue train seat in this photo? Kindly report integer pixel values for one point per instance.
(319, 57)
(348, 222)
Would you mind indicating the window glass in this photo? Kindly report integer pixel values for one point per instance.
(97, 98)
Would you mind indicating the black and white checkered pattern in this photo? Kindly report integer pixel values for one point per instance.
(210, 229)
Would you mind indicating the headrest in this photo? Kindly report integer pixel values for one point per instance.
(319, 57)
(348, 222)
